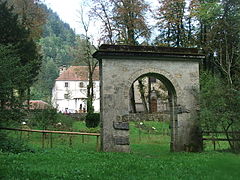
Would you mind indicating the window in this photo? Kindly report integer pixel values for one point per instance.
(66, 84)
(81, 84)
(66, 96)
(153, 79)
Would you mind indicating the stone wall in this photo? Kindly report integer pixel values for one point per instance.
(77, 116)
(146, 117)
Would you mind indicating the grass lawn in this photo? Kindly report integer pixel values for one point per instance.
(149, 159)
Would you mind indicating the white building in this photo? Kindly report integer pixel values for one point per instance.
(69, 93)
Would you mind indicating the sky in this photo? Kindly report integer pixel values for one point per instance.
(68, 11)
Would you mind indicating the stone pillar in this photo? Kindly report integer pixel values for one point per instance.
(115, 132)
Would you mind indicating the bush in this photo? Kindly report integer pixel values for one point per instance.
(44, 118)
(66, 121)
(12, 145)
(92, 120)
(220, 107)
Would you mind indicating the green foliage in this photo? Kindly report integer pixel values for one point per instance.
(220, 107)
(171, 23)
(81, 126)
(12, 145)
(212, 102)
(66, 121)
(57, 40)
(10, 30)
(14, 33)
(19, 63)
(92, 120)
(44, 118)
(42, 89)
(10, 75)
(147, 161)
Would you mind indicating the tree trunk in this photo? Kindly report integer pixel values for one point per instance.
(141, 90)
(28, 97)
(132, 100)
(90, 92)
(149, 94)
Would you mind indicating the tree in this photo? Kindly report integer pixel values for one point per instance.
(19, 53)
(42, 89)
(102, 10)
(170, 22)
(220, 108)
(131, 25)
(31, 15)
(87, 58)
(11, 75)
(130, 21)
(218, 35)
(125, 23)
(225, 40)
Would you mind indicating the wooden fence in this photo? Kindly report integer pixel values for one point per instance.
(45, 132)
(215, 139)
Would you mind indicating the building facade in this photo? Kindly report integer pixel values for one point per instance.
(69, 94)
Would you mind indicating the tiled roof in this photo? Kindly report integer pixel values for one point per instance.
(38, 104)
(78, 73)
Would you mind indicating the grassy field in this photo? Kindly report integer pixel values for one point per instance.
(149, 159)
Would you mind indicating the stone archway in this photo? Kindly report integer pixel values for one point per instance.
(171, 85)
(178, 68)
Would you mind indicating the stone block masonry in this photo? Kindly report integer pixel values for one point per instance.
(178, 70)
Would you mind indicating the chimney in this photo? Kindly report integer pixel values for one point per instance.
(62, 69)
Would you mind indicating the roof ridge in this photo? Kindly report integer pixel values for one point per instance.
(71, 73)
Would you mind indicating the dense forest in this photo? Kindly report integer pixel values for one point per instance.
(57, 42)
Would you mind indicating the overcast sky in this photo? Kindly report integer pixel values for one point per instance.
(68, 11)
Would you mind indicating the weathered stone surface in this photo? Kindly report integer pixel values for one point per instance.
(181, 109)
(121, 140)
(145, 117)
(121, 125)
(177, 68)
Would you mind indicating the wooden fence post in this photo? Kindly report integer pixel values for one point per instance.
(43, 139)
(50, 133)
(82, 138)
(139, 134)
(70, 140)
(97, 145)
(51, 140)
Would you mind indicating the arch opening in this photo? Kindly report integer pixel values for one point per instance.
(152, 98)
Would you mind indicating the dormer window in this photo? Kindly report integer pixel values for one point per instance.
(66, 84)
(81, 84)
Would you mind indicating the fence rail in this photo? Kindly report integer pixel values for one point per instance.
(220, 132)
(44, 132)
(214, 140)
